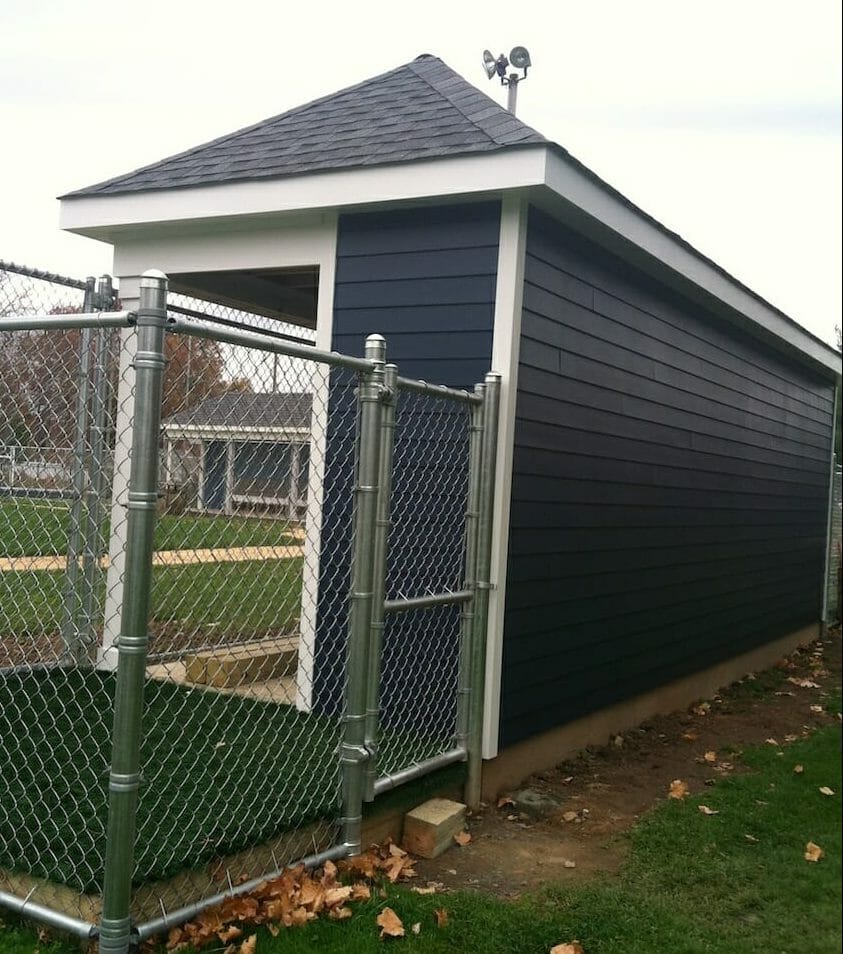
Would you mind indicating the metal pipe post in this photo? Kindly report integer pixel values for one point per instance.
(486, 507)
(382, 524)
(124, 777)
(468, 615)
(72, 640)
(825, 617)
(353, 751)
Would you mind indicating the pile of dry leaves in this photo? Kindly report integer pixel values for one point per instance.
(296, 897)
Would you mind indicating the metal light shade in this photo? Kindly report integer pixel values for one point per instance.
(488, 63)
(520, 58)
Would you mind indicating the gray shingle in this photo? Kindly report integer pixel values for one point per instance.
(243, 410)
(421, 110)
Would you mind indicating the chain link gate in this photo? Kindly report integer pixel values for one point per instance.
(210, 772)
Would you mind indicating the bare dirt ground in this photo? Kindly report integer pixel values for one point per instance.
(568, 824)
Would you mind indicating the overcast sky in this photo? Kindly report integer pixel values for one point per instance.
(721, 119)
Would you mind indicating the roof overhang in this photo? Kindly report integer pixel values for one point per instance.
(553, 180)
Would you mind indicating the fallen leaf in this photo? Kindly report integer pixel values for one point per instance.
(568, 779)
(504, 801)
(702, 709)
(798, 768)
(567, 863)
(572, 947)
(248, 946)
(274, 929)
(337, 896)
(462, 839)
(416, 928)
(229, 933)
(569, 816)
(340, 914)
(430, 889)
(329, 874)
(390, 924)
(440, 915)
(705, 810)
(678, 789)
(752, 839)
(771, 741)
(690, 736)
(360, 891)
(826, 790)
(817, 709)
(813, 852)
(803, 683)
(395, 851)
(710, 756)
(790, 737)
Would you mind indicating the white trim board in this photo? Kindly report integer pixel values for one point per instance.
(506, 342)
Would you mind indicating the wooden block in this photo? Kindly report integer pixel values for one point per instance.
(429, 829)
(194, 668)
(254, 662)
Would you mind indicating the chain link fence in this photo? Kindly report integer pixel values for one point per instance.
(241, 591)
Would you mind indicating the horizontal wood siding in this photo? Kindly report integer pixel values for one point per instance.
(425, 279)
(669, 489)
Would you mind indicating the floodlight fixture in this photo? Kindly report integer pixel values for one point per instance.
(520, 59)
(489, 64)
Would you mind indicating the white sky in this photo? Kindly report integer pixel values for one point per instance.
(721, 119)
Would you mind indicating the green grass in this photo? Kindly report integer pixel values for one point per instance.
(235, 598)
(220, 773)
(36, 528)
(693, 884)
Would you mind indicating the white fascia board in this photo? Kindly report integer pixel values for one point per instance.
(506, 344)
(104, 216)
(598, 202)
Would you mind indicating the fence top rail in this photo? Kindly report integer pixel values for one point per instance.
(438, 391)
(85, 319)
(250, 339)
(230, 323)
(41, 275)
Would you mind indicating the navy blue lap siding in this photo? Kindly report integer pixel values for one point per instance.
(669, 489)
(425, 279)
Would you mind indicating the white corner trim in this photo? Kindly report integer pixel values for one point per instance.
(103, 216)
(316, 469)
(506, 342)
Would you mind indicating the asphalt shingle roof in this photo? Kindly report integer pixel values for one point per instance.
(240, 409)
(422, 110)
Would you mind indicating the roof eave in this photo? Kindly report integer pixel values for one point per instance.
(549, 173)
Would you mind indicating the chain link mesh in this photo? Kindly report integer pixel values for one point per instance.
(420, 660)
(57, 434)
(248, 624)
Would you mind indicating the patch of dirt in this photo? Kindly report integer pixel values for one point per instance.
(605, 790)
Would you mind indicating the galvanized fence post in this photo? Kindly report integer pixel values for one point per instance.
(488, 458)
(468, 612)
(72, 639)
(353, 751)
(124, 777)
(382, 524)
(94, 544)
